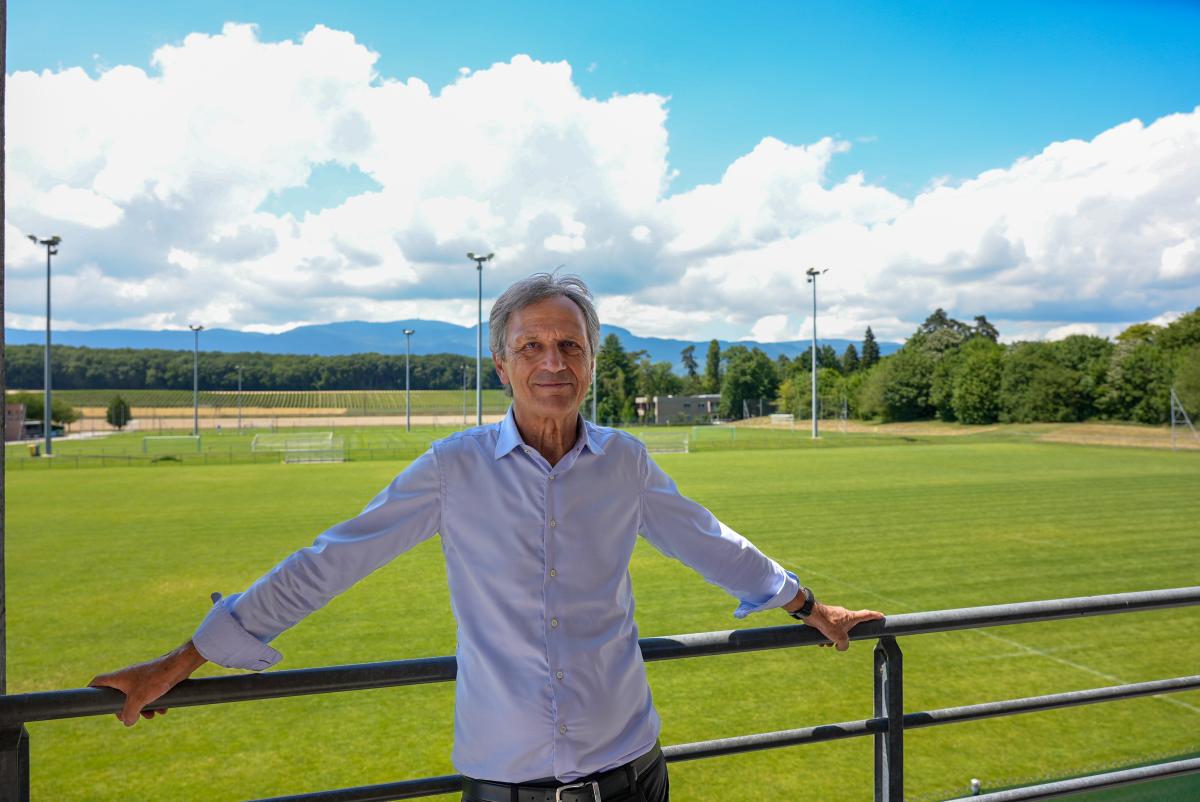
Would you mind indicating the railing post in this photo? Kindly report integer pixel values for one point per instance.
(889, 704)
(14, 764)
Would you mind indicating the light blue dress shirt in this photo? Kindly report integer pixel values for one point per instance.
(550, 677)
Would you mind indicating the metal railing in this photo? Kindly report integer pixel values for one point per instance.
(886, 726)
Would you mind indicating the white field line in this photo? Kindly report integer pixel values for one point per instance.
(1025, 649)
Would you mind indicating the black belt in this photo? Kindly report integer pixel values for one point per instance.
(593, 788)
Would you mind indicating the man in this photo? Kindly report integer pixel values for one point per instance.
(538, 516)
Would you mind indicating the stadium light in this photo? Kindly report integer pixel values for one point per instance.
(196, 379)
(239, 370)
(51, 244)
(408, 333)
(479, 260)
(812, 274)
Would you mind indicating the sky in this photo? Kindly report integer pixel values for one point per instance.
(263, 165)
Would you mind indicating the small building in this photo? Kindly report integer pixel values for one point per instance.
(681, 409)
(14, 422)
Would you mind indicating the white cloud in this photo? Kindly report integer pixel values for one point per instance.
(156, 181)
(771, 328)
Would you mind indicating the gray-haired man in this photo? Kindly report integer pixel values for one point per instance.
(538, 516)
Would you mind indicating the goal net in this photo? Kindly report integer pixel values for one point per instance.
(170, 443)
(669, 441)
(300, 447)
(295, 441)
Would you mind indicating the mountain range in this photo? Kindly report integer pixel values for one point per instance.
(356, 337)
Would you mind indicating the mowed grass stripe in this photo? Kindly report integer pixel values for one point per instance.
(115, 570)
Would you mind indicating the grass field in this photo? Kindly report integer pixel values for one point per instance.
(106, 567)
(132, 449)
(361, 402)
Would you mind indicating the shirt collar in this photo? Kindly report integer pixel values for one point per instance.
(510, 437)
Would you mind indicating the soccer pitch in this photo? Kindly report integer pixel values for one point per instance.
(107, 567)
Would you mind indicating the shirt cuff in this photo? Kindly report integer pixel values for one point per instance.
(222, 640)
(791, 586)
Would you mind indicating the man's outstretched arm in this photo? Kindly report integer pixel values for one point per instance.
(145, 682)
(237, 630)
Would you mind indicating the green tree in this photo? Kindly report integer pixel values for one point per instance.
(690, 365)
(657, 379)
(1187, 381)
(712, 368)
(827, 358)
(850, 359)
(60, 411)
(1037, 387)
(749, 376)
(985, 329)
(870, 350)
(118, 413)
(1181, 333)
(616, 382)
(874, 381)
(976, 381)
(1138, 384)
(1088, 360)
(906, 395)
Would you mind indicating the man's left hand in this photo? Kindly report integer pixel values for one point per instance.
(835, 623)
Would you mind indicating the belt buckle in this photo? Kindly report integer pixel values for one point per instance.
(595, 786)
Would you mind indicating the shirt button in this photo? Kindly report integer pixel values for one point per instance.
(553, 572)
(554, 623)
(551, 477)
(558, 674)
(562, 728)
(553, 523)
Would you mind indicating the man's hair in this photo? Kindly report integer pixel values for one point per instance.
(539, 287)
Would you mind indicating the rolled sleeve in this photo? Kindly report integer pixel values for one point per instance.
(787, 592)
(221, 639)
(685, 530)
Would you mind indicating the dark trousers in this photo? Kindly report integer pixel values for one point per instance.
(653, 785)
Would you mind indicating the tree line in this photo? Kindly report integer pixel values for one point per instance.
(947, 370)
(81, 368)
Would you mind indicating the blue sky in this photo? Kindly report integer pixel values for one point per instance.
(913, 96)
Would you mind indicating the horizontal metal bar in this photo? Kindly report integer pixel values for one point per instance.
(1095, 782)
(1033, 704)
(405, 789)
(409, 789)
(46, 705)
(78, 702)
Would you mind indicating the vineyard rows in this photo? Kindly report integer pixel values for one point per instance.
(353, 401)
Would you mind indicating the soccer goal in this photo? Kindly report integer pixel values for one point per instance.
(170, 443)
(1180, 419)
(294, 441)
(667, 441)
(297, 447)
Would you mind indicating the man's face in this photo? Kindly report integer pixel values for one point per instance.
(547, 363)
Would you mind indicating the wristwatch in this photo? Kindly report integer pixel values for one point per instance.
(810, 601)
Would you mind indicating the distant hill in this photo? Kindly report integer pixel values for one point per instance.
(356, 337)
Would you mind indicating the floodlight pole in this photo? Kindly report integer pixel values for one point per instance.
(239, 370)
(812, 274)
(408, 333)
(195, 378)
(464, 394)
(479, 260)
(51, 244)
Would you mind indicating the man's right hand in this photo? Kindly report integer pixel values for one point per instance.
(145, 682)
